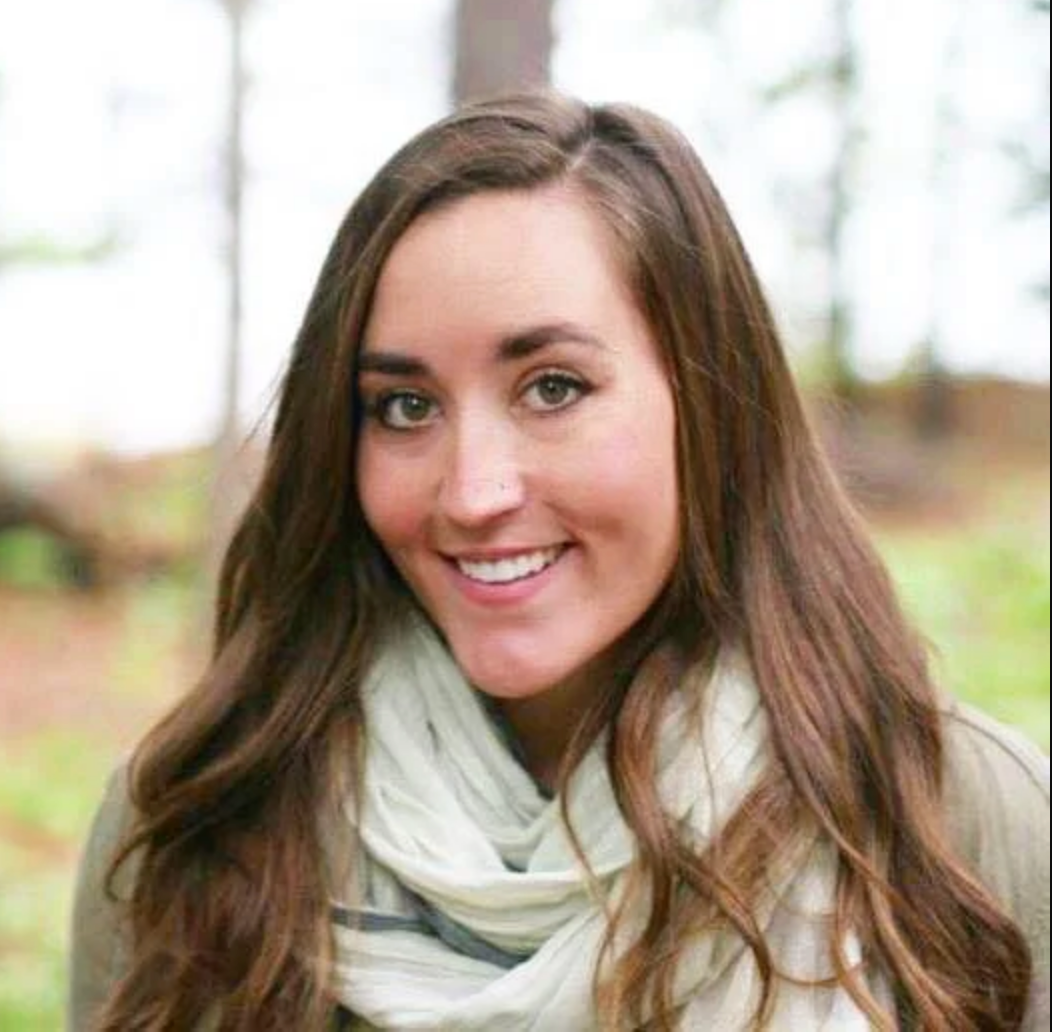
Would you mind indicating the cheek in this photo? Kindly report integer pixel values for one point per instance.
(632, 449)
(641, 472)
(391, 502)
(623, 483)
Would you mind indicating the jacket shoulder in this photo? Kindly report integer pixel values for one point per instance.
(997, 810)
(98, 943)
(996, 785)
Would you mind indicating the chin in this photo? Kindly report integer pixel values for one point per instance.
(508, 679)
(510, 685)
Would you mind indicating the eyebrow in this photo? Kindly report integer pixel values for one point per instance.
(513, 347)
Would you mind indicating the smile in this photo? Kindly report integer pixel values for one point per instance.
(509, 569)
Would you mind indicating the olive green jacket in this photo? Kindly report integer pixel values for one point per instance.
(997, 804)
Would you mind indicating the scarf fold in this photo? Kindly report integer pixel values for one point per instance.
(470, 910)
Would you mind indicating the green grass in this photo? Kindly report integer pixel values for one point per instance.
(30, 559)
(49, 791)
(33, 945)
(52, 782)
(157, 619)
(982, 599)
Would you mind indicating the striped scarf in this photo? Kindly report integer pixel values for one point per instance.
(470, 910)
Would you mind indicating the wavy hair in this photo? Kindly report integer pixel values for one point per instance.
(228, 906)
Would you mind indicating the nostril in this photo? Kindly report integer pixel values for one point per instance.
(476, 498)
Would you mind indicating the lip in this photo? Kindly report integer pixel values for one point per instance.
(512, 593)
(490, 555)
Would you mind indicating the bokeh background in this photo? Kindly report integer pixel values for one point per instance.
(171, 172)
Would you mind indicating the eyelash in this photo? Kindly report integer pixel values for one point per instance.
(379, 408)
(563, 380)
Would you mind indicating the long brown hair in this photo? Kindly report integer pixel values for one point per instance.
(232, 790)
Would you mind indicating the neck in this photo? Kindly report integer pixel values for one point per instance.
(543, 735)
(544, 724)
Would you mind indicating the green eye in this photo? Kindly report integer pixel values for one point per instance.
(405, 410)
(553, 391)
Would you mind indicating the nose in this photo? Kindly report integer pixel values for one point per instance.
(482, 477)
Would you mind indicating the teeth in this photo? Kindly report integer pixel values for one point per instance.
(504, 571)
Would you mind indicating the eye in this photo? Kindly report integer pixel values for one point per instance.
(550, 392)
(403, 410)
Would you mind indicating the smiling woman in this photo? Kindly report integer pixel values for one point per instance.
(555, 685)
(518, 460)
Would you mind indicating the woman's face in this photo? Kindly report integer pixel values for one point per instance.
(517, 457)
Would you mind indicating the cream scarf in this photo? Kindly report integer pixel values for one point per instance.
(476, 913)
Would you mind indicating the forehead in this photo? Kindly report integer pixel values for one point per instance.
(503, 257)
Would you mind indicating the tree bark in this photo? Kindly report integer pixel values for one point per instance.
(228, 486)
(501, 45)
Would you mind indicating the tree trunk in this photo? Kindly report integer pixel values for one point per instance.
(229, 487)
(501, 45)
(838, 360)
(933, 416)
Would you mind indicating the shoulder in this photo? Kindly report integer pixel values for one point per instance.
(99, 943)
(997, 811)
(997, 800)
(97, 940)
(972, 734)
(997, 782)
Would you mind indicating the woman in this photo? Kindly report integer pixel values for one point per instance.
(555, 684)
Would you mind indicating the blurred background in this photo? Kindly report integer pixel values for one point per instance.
(171, 173)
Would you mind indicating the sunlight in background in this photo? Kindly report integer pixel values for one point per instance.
(112, 118)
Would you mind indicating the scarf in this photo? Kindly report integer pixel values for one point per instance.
(469, 909)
